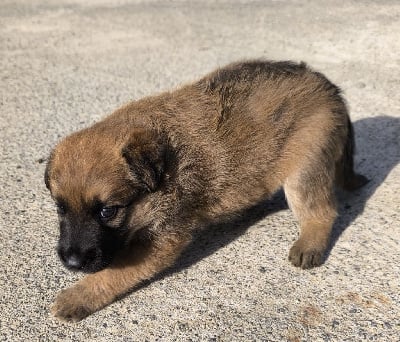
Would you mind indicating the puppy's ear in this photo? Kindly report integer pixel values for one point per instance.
(145, 153)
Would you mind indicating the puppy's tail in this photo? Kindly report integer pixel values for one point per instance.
(346, 177)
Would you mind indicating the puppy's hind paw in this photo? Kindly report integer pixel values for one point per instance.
(305, 257)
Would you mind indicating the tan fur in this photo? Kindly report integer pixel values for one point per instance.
(204, 152)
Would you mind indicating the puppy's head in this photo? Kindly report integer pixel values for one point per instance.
(97, 179)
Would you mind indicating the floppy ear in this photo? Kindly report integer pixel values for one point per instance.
(145, 153)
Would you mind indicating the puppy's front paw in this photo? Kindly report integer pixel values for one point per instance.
(72, 304)
(305, 255)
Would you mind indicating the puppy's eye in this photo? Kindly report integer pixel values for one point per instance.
(107, 213)
(61, 209)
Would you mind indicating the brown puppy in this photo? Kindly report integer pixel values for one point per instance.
(132, 188)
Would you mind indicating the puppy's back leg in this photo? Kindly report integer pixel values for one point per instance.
(100, 289)
(310, 196)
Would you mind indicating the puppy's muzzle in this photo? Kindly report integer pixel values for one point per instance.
(77, 259)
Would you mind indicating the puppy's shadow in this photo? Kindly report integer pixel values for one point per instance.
(378, 152)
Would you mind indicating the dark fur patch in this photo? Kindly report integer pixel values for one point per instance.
(280, 111)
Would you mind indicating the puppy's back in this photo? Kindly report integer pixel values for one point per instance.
(274, 117)
(242, 130)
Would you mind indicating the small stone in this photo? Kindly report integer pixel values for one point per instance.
(335, 323)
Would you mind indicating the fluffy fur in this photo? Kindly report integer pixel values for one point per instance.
(165, 165)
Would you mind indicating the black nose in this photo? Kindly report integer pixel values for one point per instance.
(75, 258)
(73, 261)
(71, 258)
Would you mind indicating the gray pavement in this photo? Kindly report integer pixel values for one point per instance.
(65, 64)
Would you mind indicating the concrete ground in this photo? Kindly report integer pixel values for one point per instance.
(65, 64)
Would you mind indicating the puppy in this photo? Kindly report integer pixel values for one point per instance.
(131, 190)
